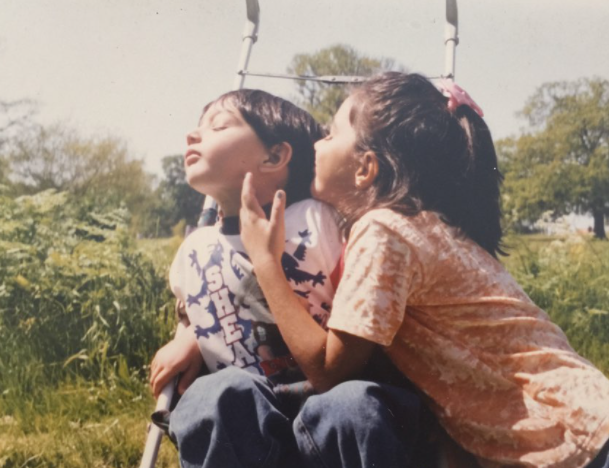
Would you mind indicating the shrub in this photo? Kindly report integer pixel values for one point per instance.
(569, 279)
(76, 297)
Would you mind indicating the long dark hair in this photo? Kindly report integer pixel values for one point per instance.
(429, 157)
(275, 120)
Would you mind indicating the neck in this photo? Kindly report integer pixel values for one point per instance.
(230, 206)
(230, 224)
(229, 198)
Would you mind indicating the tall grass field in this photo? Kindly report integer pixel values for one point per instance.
(84, 306)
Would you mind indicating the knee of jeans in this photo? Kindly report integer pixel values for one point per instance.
(210, 396)
(354, 403)
(230, 383)
(347, 401)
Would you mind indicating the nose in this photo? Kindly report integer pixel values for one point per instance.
(193, 137)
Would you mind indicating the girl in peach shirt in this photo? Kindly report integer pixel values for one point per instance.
(413, 170)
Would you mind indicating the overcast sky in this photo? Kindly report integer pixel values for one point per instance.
(143, 69)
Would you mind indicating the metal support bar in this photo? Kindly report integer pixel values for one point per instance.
(155, 434)
(250, 36)
(451, 38)
(210, 212)
(329, 79)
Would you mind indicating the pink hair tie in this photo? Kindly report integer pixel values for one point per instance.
(457, 96)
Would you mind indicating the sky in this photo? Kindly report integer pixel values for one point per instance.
(142, 70)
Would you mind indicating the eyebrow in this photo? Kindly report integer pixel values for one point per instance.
(214, 114)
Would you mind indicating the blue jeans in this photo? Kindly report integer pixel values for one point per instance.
(602, 459)
(233, 419)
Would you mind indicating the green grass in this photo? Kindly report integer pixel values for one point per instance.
(82, 311)
(80, 425)
(100, 420)
(160, 251)
(568, 277)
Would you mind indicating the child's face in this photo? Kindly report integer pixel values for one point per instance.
(221, 150)
(335, 160)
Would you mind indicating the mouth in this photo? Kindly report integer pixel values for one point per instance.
(191, 157)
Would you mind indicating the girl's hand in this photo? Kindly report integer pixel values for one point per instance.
(263, 239)
(180, 355)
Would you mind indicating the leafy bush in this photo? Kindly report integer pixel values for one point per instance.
(76, 297)
(569, 279)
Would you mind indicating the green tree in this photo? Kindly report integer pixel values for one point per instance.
(321, 99)
(182, 201)
(74, 291)
(562, 163)
(99, 171)
(15, 116)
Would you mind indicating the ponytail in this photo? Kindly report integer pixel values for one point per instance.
(481, 217)
(430, 157)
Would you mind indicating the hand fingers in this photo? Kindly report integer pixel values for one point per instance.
(248, 196)
(187, 378)
(162, 379)
(278, 210)
(154, 370)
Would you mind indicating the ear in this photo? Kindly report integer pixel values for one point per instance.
(279, 156)
(367, 171)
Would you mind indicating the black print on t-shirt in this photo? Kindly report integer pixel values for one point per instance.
(290, 263)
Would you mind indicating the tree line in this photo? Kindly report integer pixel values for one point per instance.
(98, 171)
(558, 164)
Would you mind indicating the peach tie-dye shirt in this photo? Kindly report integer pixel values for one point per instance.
(500, 376)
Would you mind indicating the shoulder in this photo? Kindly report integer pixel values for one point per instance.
(314, 208)
(201, 235)
(408, 227)
(196, 240)
(314, 224)
(418, 237)
(314, 215)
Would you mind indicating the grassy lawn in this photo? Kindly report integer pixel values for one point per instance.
(80, 426)
(79, 423)
(160, 251)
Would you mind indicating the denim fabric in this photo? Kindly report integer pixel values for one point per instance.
(602, 459)
(234, 419)
(359, 424)
(231, 418)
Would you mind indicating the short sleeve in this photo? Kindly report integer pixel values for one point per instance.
(371, 298)
(331, 241)
(181, 266)
(177, 273)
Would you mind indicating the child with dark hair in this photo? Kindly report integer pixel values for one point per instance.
(413, 171)
(241, 413)
(231, 330)
(241, 131)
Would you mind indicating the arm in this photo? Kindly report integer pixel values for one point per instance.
(326, 358)
(180, 356)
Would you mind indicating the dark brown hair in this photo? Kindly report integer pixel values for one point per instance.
(429, 158)
(275, 120)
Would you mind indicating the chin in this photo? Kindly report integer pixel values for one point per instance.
(197, 182)
(315, 192)
(317, 195)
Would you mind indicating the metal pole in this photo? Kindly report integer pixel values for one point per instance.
(210, 213)
(250, 35)
(451, 38)
(155, 434)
